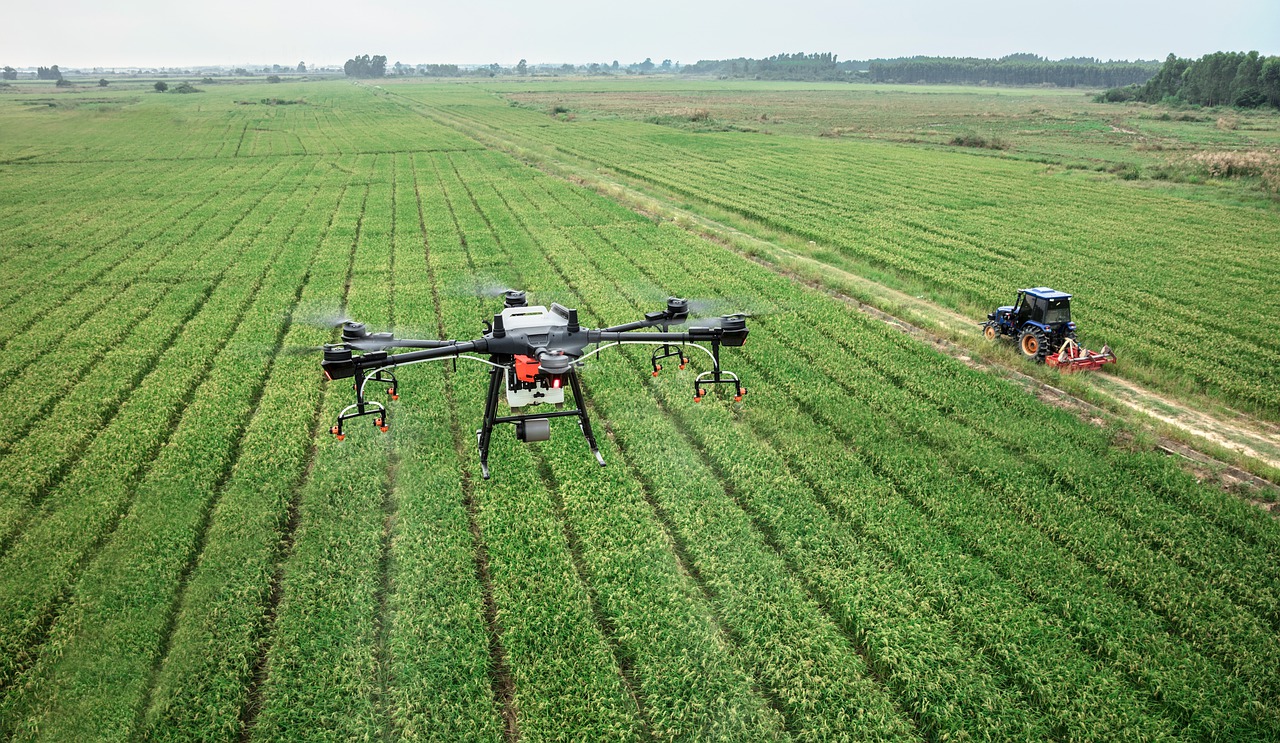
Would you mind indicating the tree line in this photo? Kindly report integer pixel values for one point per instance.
(1014, 69)
(798, 66)
(1244, 79)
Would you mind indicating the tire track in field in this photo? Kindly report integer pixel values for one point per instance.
(503, 680)
(607, 630)
(258, 676)
(382, 597)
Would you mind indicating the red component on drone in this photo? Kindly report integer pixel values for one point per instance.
(526, 368)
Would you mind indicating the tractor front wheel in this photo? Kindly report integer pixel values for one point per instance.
(989, 331)
(1033, 344)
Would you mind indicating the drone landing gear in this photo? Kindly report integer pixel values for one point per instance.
(366, 407)
(530, 426)
(717, 376)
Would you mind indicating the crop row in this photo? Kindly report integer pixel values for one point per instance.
(126, 458)
(116, 260)
(71, 415)
(201, 689)
(104, 645)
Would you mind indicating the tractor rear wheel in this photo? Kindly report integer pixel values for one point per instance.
(1033, 344)
(989, 331)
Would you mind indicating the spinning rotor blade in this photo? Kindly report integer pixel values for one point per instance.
(326, 315)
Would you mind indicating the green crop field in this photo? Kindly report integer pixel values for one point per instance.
(1178, 283)
(878, 542)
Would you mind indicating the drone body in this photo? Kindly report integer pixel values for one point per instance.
(534, 353)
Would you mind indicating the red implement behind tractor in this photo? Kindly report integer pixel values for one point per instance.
(1074, 357)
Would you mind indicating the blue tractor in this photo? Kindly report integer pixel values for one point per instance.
(1040, 321)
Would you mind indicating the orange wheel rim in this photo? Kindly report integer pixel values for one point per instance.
(1030, 345)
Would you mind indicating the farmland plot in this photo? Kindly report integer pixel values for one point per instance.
(1177, 285)
(876, 543)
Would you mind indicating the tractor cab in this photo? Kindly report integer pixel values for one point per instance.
(1049, 309)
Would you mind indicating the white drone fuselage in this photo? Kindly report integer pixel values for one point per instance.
(542, 389)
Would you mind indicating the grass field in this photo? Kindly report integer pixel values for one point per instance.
(877, 543)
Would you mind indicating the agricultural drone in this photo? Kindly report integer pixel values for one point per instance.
(533, 353)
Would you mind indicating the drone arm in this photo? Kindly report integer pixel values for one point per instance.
(651, 320)
(340, 363)
(729, 336)
(407, 343)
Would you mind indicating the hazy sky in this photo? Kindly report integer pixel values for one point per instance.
(119, 33)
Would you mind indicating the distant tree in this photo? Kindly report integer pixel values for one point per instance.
(646, 66)
(273, 78)
(366, 66)
(1269, 80)
(494, 69)
(241, 72)
(103, 83)
(522, 67)
(186, 87)
(615, 65)
(161, 86)
(63, 83)
(48, 73)
(10, 73)
(302, 67)
(666, 65)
